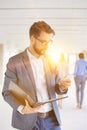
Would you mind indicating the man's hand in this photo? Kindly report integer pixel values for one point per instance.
(27, 109)
(65, 83)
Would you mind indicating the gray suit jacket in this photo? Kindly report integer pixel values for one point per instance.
(19, 71)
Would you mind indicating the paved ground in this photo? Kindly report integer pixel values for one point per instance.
(72, 118)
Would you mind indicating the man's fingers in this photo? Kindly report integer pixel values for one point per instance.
(26, 103)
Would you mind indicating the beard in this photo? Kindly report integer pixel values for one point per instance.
(39, 51)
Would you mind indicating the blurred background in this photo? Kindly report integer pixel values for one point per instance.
(69, 20)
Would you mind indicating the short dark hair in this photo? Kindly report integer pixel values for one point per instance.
(38, 27)
(81, 55)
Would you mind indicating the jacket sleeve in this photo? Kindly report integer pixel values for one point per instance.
(10, 75)
(57, 79)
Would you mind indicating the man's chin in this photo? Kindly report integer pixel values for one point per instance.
(43, 52)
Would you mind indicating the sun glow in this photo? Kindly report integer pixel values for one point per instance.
(54, 55)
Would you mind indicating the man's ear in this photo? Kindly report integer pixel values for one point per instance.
(32, 38)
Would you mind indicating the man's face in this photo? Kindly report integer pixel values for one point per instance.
(42, 42)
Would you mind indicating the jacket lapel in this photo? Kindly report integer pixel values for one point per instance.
(50, 78)
(27, 64)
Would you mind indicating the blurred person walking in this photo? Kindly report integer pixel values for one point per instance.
(80, 79)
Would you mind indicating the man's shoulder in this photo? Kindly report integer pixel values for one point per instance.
(16, 59)
(51, 63)
(18, 55)
(49, 59)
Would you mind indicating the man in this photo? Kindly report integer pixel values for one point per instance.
(80, 79)
(32, 71)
